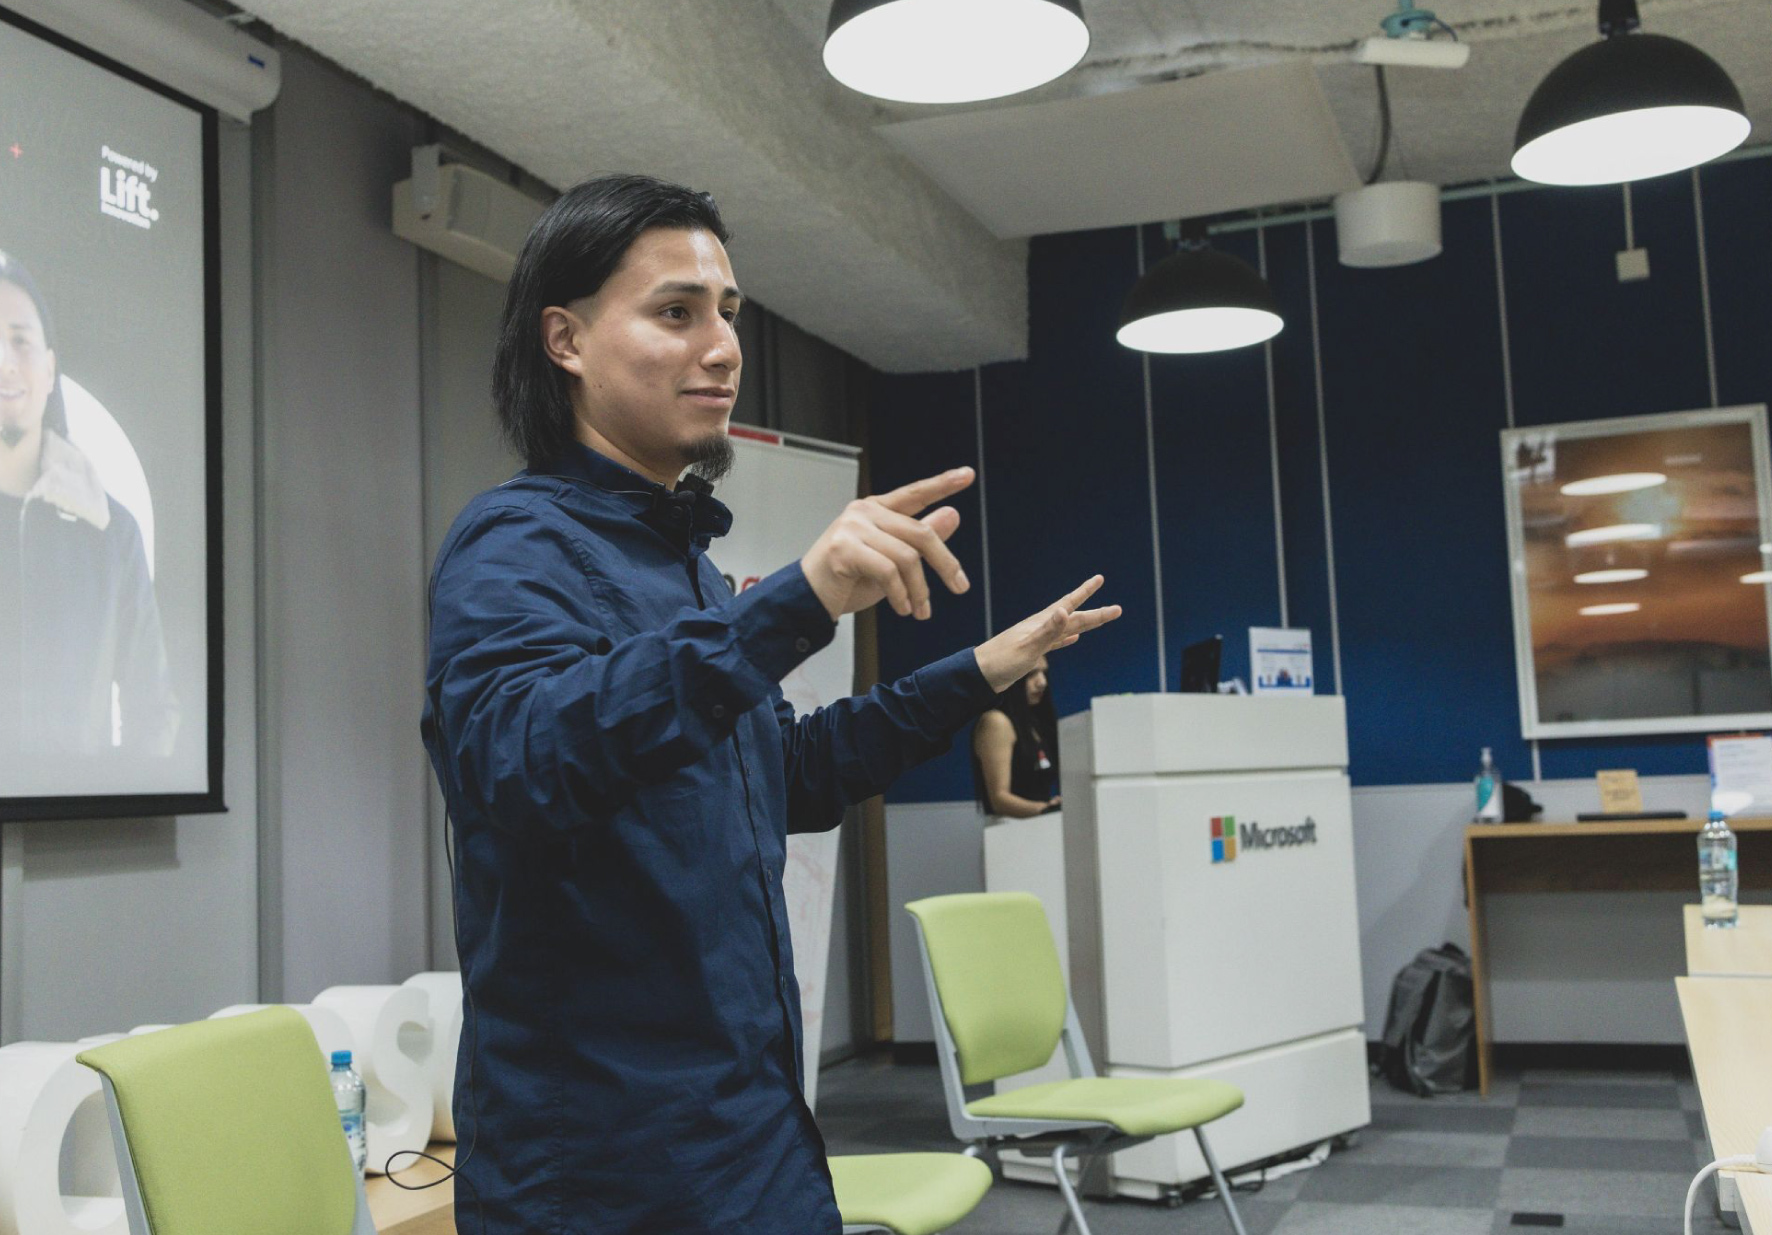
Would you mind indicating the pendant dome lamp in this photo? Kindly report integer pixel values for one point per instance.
(952, 51)
(1626, 108)
(1198, 299)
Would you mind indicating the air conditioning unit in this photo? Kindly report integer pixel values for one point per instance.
(473, 219)
(173, 43)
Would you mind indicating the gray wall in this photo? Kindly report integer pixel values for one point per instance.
(110, 924)
(342, 544)
(932, 849)
(463, 455)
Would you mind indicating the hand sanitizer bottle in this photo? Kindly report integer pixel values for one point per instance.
(1488, 790)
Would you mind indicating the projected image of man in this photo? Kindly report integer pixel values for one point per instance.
(83, 664)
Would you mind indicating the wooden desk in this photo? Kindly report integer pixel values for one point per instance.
(1755, 1193)
(1744, 951)
(1648, 855)
(399, 1212)
(1729, 1033)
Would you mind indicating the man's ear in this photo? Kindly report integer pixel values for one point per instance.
(559, 338)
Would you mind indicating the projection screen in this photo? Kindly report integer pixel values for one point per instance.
(110, 567)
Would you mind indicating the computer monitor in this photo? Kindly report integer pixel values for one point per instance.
(1199, 666)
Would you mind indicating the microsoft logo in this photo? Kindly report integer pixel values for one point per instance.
(1224, 838)
(1226, 833)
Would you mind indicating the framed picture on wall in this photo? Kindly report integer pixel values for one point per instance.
(1640, 554)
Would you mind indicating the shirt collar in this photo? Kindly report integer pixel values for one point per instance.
(690, 513)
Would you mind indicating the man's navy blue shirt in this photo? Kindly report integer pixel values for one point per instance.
(622, 771)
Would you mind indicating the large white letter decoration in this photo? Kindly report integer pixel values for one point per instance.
(330, 1030)
(391, 1025)
(444, 991)
(45, 1098)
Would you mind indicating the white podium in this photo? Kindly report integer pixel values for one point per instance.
(1209, 873)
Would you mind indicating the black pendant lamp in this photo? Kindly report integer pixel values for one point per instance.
(1628, 107)
(1198, 299)
(952, 51)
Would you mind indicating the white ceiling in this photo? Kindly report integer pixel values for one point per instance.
(1452, 127)
(832, 229)
(1183, 149)
(847, 237)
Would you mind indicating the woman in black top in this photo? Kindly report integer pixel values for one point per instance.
(1015, 751)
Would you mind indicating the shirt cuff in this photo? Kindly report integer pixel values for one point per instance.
(780, 621)
(954, 689)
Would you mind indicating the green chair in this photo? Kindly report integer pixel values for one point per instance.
(228, 1126)
(907, 1194)
(1000, 1007)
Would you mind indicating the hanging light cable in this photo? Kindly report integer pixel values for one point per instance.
(1198, 299)
(1628, 107)
(952, 51)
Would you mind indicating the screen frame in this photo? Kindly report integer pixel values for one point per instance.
(1533, 725)
(210, 800)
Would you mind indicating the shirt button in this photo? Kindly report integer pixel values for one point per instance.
(802, 644)
(717, 711)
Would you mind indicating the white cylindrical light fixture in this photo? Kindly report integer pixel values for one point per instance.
(952, 51)
(1390, 224)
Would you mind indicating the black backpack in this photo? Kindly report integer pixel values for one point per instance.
(1430, 1031)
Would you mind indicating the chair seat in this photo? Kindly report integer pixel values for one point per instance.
(1137, 1106)
(912, 1194)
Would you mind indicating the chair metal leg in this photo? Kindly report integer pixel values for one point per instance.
(987, 1154)
(1220, 1182)
(1072, 1204)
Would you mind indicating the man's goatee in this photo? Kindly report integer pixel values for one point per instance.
(711, 458)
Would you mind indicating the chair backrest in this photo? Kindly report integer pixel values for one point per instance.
(997, 980)
(229, 1126)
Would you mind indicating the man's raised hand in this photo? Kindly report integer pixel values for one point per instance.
(1013, 654)
(877, 547)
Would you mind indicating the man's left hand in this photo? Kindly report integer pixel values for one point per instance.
(1013, 654)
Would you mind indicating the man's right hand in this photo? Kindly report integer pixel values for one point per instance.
(877, 547)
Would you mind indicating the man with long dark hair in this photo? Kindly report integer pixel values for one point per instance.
(619, 764)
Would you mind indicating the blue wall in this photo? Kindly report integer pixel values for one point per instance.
(1414, 391)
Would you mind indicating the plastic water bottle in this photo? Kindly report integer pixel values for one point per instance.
(1488, 790)
(348, 1092)
(1718, 876)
